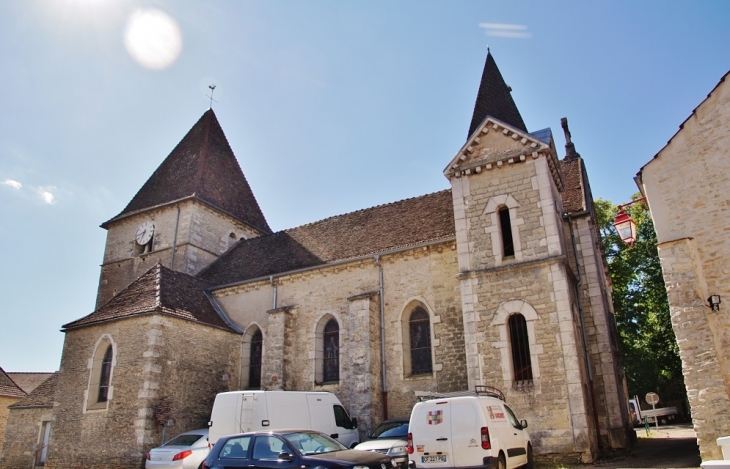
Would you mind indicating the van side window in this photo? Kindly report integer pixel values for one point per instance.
(520, 345)
(420, 334)
(512, 419)
(341, 418)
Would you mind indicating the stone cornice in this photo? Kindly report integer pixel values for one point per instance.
(516, 266)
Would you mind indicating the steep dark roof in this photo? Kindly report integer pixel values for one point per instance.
(201, 166)
(159, 291)
(8, 388)
(28, 381)
(42, 396)
(378, 229)
(494, 99)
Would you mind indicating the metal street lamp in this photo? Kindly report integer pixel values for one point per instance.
(625, 226)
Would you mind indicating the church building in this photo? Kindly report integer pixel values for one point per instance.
(499, 280)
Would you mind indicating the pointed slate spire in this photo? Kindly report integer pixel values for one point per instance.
(201, 166)
(494, 99)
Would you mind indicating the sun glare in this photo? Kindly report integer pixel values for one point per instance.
(153, 39)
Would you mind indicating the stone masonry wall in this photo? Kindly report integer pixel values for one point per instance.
(202, 235)
(23, 432)
(159, 362)
(5, 401)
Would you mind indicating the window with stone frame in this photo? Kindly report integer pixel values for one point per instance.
(520, 348)
(254, 367)
(331, 359)
(419, 329)
(101, 368)
(505, 225)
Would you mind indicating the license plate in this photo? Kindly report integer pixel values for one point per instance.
(437, 458)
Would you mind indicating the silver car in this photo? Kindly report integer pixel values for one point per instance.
(391, 438)
(185, 451)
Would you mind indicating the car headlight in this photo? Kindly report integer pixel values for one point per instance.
(360, 467)
(397, 451)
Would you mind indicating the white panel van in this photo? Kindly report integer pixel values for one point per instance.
(470, 430)
(245, 411)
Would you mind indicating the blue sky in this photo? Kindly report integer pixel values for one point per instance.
(329, 106)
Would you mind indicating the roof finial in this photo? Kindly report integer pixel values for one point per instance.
(212, 89)
(570, 153)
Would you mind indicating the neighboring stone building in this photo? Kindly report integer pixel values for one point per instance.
(498, 280)
(10, 393)
(687, 186)
(28, 380)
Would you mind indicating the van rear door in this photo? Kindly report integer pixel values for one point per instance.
(430, 427)
(466, 437)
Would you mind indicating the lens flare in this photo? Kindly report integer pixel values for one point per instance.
(153, 39)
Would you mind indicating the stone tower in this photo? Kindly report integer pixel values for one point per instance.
(191, 210)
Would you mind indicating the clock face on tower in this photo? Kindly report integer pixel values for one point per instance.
(144, 233)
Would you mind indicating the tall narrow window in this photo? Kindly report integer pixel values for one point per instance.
(520, 345)
(42, 452)
(105, 376)
(506, 226)
(420, 332)
(331, 360)
(254, 368)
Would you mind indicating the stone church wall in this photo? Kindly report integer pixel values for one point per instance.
(350, 294)
(202, 236)
(23, 434)
(160, 362)
(5, 401)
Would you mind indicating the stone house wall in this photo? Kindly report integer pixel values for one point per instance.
(5, 401)
(23, 430)
(686, 185)
(203, 234)
(159, 362)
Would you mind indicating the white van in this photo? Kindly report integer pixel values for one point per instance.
(469, 429)
(246, 411)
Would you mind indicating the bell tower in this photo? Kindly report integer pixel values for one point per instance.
(189, 212)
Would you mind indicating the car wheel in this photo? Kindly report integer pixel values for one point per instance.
(530, 458)
(501, 464)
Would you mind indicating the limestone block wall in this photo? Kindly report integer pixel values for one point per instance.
(160, 363)
(694, 249)
(22, 437)
(5, 401)
(349, 293)
(202, 236)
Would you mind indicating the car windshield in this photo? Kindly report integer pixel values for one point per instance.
(313, 442)
(391, 430)
(183, 440)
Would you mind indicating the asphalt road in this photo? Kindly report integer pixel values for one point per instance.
(669, 446)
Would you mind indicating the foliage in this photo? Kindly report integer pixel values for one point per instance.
(648, 344)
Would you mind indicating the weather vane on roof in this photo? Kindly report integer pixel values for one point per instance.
(212, 88)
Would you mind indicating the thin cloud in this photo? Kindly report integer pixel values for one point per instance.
(10, 183)
(512, 31)
(46, 194)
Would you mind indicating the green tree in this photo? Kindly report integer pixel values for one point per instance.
(648, 344)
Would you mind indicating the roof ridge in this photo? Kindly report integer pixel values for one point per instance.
(287, 230)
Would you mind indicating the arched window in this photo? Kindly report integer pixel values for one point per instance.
(101, 367)
(105, 375)
(331, 361)
(419, 328)
(505, 226)
(254, 367)
(520, 346)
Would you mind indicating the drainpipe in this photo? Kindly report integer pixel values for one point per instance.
(174, 238)
(383, 374)
(274, 287)
(583, 329)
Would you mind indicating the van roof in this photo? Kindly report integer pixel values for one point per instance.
(479, 391)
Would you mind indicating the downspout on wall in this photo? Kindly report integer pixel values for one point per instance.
(383, 373)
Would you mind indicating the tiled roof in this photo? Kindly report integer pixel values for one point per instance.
(28, 381)
(42, 396)
(574, 193)
(378, 229)
(201, 166)
(8, 388)
(494, 99)
(161, 291)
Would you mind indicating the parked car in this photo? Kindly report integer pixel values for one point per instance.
(290, 449)
(390, 437)
(467, 430)
(185, 451)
